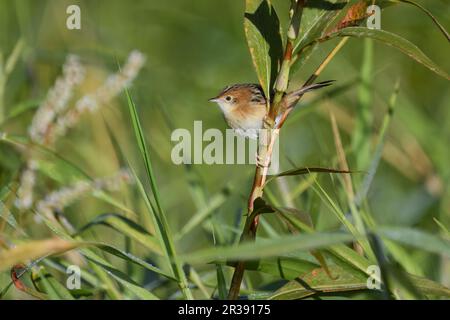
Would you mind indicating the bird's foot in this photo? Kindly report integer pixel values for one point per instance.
(262, 163)
(268, 123)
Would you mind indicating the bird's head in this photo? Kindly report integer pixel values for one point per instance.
(239, 95)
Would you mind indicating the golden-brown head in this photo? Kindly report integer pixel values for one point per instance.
(243, 106)
(240, 94)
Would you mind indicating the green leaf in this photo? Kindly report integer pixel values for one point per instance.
(54, 289)
(6, 214)
(221, 283)
(260, 206)
(267, 248)
(107, 248)
(41, 248)
(262, 30)
(128, 283)
(395, 41)
(427, 12)
(318, 17)
(22, 107)
(340, 251)
(442, 227)
(346, 257)
(429, 287)
(60, 171)
(129, 257)
(214, 202)
(376, 157)
(127, 227)
(362, 132)
(105, 267)
(317, 281)
(158, 216)
(83, 293)
(416, 238)
(315, 19)
(106, 280)
(306, 170)
(307, 220)
(284, 267)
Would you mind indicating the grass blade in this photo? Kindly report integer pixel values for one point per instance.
(285, 267)
(125, 226)
(268, 248)
(123, 279)
(428, 13)
(416, 238)
(159, 215)
(221, 283)
(214, 203)
(307, 170)
(33, 250)
(54, 289)
(395, 41)
(318, 281)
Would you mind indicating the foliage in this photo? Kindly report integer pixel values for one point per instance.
(375, 196)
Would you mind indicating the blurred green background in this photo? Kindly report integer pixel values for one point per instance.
(196, 47)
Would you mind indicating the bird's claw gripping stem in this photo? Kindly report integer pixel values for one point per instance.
(262, 163)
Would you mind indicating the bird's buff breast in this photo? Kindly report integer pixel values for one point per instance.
(246, 121)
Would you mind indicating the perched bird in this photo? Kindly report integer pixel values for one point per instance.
(244, 105)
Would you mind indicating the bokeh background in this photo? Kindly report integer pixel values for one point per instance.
(193, 49)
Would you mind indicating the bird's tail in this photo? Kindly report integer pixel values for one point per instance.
(292, 97)
(311, 87)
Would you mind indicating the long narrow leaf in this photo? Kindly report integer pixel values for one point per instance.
(269, 248)
(125, 226)
(428, 13)
(158, 215)
(416, 238)
(395, 41)
(33, 250)
(262, 30)
(307, 170)
(318, 281)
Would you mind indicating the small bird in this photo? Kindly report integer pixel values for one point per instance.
(244, 105)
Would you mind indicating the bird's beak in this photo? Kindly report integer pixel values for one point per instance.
(214, 99)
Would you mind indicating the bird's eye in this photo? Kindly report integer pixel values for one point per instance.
(228, 98)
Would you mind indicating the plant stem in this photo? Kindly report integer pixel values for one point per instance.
(314, 76)
(257, 190)
(266, 141)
